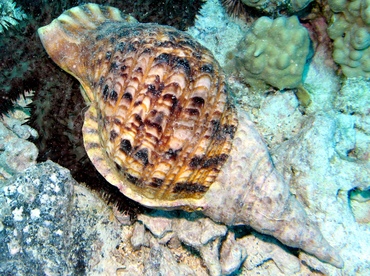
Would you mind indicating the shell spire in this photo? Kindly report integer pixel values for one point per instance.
(65, 39)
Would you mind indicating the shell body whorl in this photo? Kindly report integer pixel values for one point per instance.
(158, 102)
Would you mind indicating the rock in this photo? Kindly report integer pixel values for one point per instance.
(139, 238)
(210, 255)
(95, 234)
(204, 235)
(198, 232)
(159, 223)
(354, 97)
(16, 154)
(323, 180)
(123, 218)
(212, 27)
(263, 248)
(162, 262)
(35, 219)
(353, 132)
(313, 264)
(18, 127)
(173, 242)
(50, 225)
(345, 136)
(232, 255)
(360, 205)
(283, 106)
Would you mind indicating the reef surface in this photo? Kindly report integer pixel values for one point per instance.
(322, 150)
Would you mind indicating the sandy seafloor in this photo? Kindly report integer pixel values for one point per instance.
(323, 150)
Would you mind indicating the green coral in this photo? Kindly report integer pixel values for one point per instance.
(10, 15)
(273, 52)
(350, 30)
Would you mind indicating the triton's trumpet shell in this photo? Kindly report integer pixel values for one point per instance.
(161, 126)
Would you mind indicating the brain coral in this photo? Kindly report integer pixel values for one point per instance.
(273, 52)
(350, 30)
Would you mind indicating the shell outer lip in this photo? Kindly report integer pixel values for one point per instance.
(187, 204)
(105, 167)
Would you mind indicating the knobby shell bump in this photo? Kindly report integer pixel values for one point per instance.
(162, 128)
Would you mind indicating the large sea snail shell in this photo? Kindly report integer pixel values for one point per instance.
(161, 127)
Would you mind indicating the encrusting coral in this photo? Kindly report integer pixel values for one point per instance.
(350, 30)
(137, 78)
(273, 52)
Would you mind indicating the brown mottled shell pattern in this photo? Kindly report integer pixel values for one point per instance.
(159, 98)
(163, 111)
